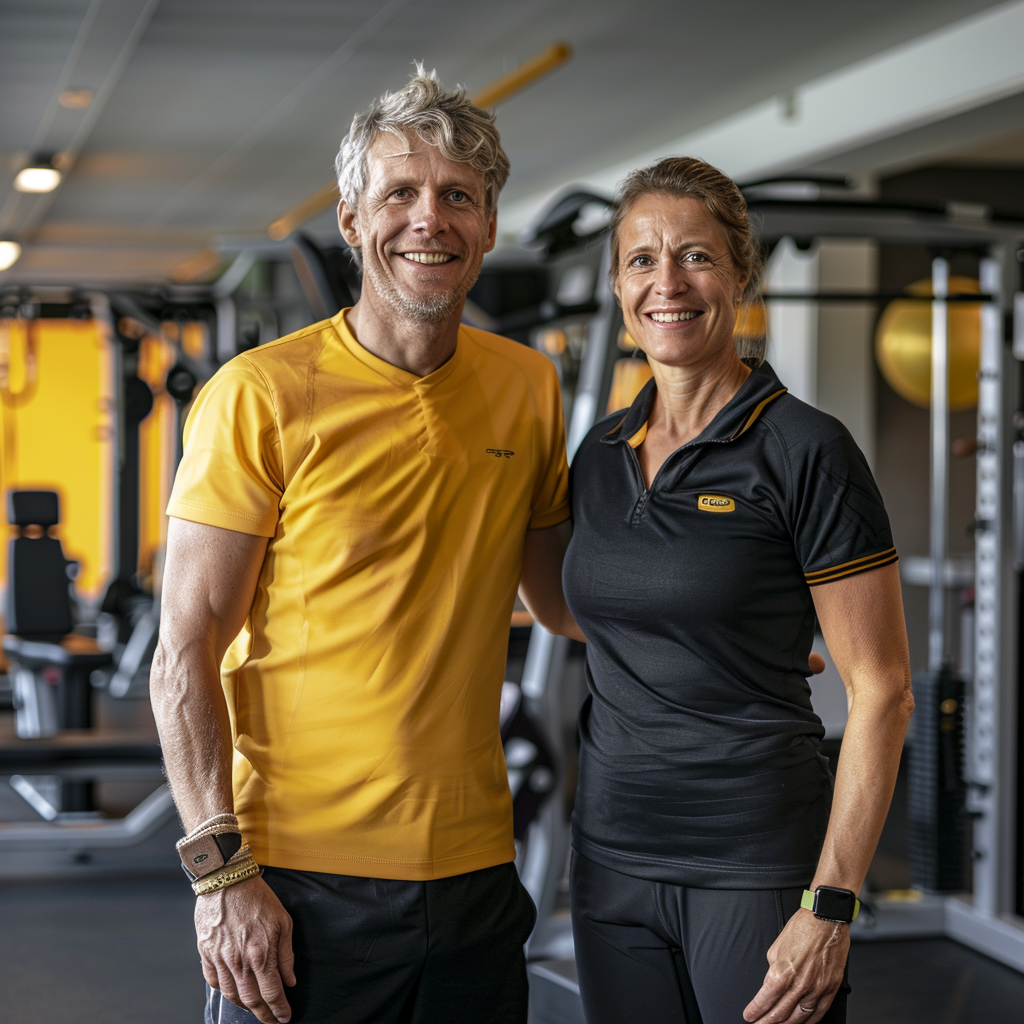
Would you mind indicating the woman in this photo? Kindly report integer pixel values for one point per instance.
(712, 522)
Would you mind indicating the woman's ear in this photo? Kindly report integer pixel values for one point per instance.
(741, 286)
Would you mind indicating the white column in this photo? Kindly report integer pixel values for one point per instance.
(793, 326)
(846, 360)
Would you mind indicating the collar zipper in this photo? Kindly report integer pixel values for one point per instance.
(645, 492)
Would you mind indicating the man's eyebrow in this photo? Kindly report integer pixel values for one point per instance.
(402, 181)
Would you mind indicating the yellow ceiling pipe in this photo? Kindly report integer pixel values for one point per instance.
(529, 71)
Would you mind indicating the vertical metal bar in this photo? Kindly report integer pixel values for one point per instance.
(939, 464)
(104, 315)
(593, 369)
(994, 705)
(546, 653)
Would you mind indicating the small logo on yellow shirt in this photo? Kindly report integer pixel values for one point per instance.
(500, 453)
(715, 503)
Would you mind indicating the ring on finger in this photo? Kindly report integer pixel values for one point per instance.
(806, 1009)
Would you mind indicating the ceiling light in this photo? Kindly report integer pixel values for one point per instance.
(76, 99)
(9, 253)
(39, 176)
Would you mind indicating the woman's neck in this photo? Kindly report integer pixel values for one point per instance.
(689, 397)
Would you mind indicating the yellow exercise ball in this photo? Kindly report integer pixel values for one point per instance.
(903, 346)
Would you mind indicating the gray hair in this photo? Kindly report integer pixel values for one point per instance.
(446, 120)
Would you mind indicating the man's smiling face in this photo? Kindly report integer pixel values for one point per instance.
(422, 226)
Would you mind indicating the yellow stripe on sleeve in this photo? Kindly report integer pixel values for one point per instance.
(852, 568)
(842, 565)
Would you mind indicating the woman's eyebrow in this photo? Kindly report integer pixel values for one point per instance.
(636, 249)
(647, 247)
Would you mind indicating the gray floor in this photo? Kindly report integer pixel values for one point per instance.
(931, 981)
(99, 952)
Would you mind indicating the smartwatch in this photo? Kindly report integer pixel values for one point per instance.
(840, 906)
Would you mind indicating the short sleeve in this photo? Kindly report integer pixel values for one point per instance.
(550, 503)
(230, 473)
(840, 526)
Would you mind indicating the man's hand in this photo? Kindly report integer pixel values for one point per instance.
(245, 941)
(806, 965)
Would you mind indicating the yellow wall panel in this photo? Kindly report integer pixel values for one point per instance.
(56, 405)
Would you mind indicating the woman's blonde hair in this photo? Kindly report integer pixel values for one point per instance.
(686, 177)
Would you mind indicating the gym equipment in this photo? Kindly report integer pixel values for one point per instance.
(937, 814)
(329, 278)
(628, 377)
(529, 762)
(903, 343)
(51, 665)
(60, 674)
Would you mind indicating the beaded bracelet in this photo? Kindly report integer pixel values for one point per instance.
(238, 869)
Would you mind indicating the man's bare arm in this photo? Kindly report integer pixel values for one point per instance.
(540, 585)
(209, 581)
(210, 576)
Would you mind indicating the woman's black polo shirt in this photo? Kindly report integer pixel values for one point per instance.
(699, 762)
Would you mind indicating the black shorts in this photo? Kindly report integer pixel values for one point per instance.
(667, 954)
(381, 951)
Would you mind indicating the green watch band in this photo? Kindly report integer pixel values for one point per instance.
(809, 901)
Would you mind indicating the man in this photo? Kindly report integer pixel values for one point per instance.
(356, 505)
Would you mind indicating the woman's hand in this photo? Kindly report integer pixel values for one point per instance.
(806, 965)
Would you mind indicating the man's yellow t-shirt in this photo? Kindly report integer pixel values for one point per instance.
(364, 688)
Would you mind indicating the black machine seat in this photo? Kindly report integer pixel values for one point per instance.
(39, 620)
(38, 601)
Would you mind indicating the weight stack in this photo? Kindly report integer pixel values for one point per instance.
(936, 789)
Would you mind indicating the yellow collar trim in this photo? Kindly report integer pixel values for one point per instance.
(638, 438)
(758, 409)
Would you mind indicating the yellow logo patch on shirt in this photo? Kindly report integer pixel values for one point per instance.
(715, 503)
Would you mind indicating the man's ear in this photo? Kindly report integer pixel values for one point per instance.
(492, 232)
(348, 225)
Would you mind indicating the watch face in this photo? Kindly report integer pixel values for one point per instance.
(834, 904)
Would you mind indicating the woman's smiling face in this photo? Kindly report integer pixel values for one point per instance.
(676, 280)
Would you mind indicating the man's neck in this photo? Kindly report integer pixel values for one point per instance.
(412, 345)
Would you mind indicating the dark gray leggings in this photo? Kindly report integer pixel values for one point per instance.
(666, 954)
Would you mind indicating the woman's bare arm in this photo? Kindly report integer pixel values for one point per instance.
(862, 621)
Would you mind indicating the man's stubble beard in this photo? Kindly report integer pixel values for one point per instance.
(433, 309)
